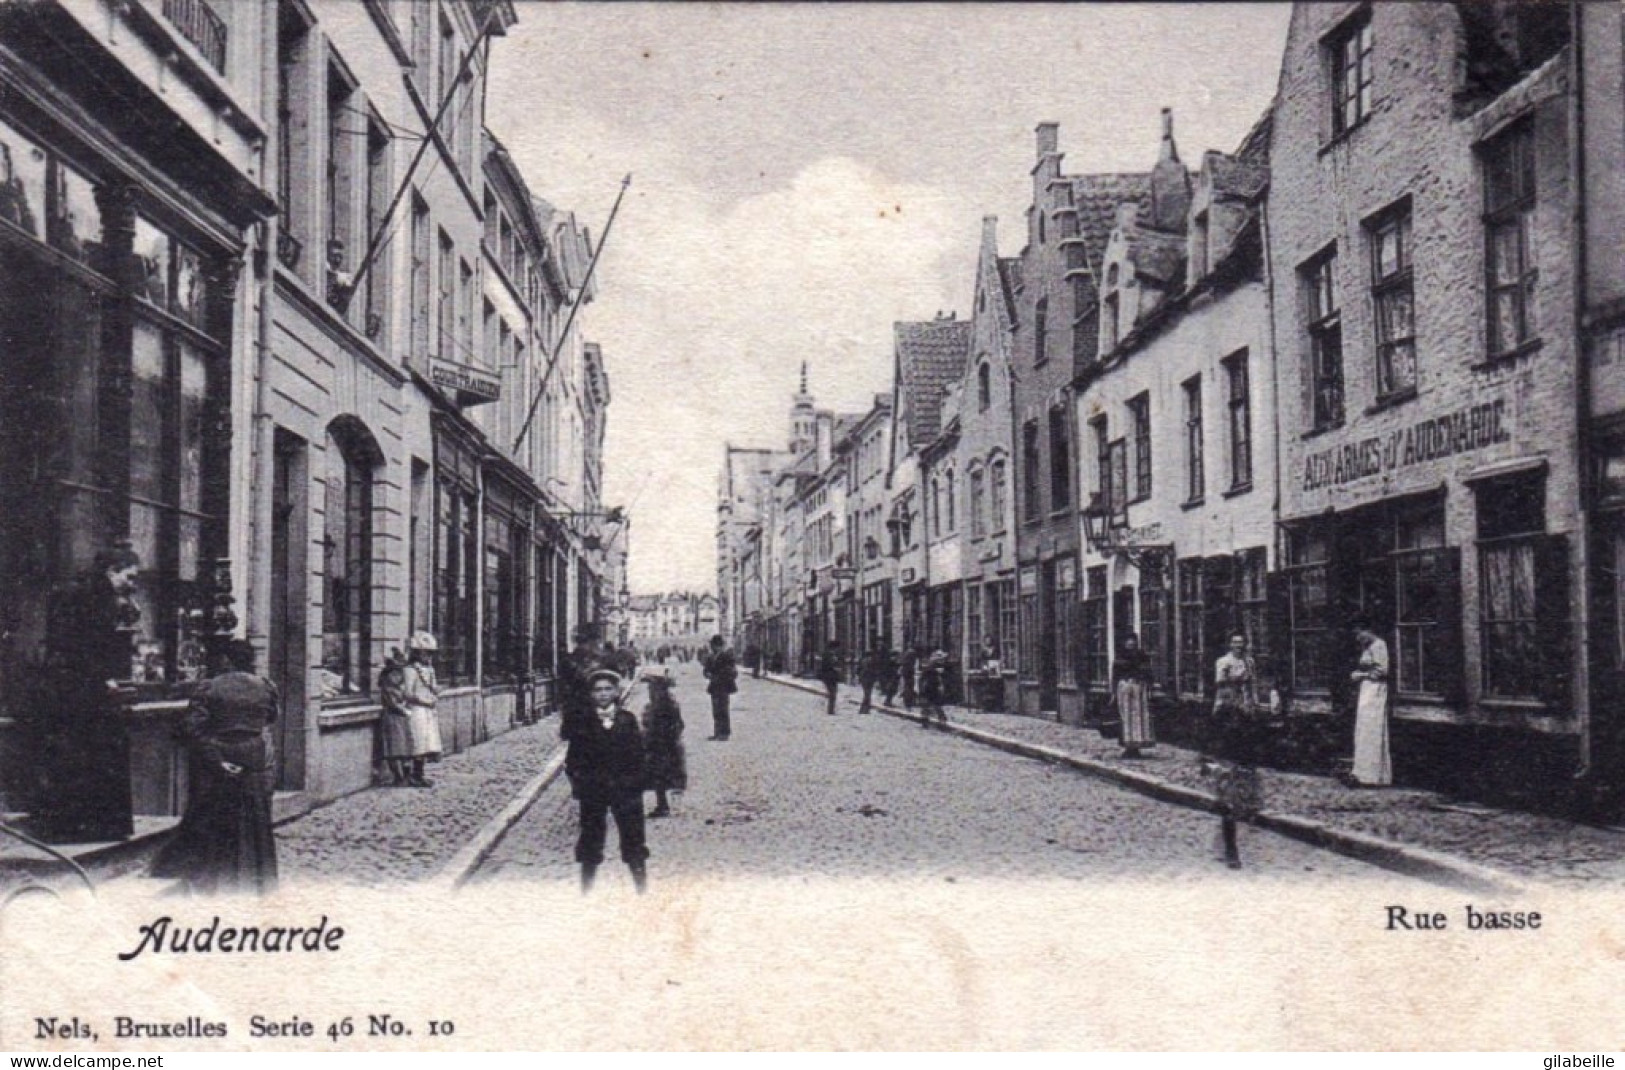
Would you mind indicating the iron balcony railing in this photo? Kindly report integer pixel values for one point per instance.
(199, 24)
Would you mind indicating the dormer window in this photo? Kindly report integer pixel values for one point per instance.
(1110, 326)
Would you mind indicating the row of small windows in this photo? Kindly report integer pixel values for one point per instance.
(1510, 276)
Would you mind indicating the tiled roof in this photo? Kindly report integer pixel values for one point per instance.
(1097, 198)
(930, 355)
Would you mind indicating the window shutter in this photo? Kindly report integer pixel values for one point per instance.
(1553, 621)
(1278, 621)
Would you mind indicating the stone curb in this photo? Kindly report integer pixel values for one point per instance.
(463, 864)
(1418, 862)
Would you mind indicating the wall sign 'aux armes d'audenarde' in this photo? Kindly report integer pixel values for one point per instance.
(1471, 428)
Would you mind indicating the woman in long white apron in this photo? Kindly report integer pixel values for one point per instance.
(1372, 766)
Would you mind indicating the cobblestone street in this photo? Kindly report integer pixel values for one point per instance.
(387, 835)
(799, 793)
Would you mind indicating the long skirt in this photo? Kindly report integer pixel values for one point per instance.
(1135, 711)
(397, 735)
(425, 725)
(1371, 760)
(225, 842)
(666, 766)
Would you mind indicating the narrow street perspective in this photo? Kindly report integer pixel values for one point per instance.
(796, 792)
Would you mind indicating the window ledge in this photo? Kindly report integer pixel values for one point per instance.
(1192, 503)
(347, 712)
(1391, 401)
(1346, 134)
(1061, 513)
(1316, 432)
(1512, 704)
(1511, 356)
(1238, 490)
(1141, 498)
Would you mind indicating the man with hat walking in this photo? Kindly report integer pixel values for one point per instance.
(722, 672)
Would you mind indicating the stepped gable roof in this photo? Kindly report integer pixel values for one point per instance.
(1097, 198)
(1010, 282)
(930, 355)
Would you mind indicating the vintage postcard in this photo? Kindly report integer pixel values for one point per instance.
(800, 526)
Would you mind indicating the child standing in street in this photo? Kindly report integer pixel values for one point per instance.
(663, 743)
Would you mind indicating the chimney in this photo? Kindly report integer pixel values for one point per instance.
(990, 232)
(1169, 150)
(1049, 139)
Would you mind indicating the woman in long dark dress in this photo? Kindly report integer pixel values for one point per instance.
(225, 842)
(664, 760)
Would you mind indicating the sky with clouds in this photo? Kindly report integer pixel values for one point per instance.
(804, 175)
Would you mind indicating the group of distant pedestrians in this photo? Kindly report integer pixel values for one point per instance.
(920, 673)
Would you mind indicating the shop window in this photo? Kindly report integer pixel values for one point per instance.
(1195, 472)
(1068, 633)
(1154, 617)
(174, 523)
(1309, 608)
(1427, 614)
(1139, 409)
(457, 561)
(1509, 218)
(1325, 342)
(1060, 460)
(1009, 621)
(347, 533)
(1096, 655)
(1350, 53)
(1511, 522)
(973, 619)
(23, 166)
(1030, 632)
(1252, 605)
(1393, 303)
(1238, 405)
(1192, 644)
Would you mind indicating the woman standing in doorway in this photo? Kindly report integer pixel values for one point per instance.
(1372, 766)
(1131, 673)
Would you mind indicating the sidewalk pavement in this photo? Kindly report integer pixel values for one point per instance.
(1419, 833)
(386, 835)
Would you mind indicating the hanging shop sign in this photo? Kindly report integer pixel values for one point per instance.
(1464, 431)
(471, 384)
